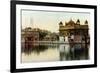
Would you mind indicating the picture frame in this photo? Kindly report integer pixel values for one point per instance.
(54, 10)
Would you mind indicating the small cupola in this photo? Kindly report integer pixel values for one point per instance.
(78, 21)
(60, 24)
(86, 22)
(66, 23)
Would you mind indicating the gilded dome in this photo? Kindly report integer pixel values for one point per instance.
(71, 22)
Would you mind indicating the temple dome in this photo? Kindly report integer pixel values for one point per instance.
(71, 22)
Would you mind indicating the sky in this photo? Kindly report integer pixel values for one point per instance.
(49, 20)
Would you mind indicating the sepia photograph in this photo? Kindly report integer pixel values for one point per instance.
(54, 36)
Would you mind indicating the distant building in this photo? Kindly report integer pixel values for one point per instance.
(74, 31)
(51, 37)
(28, 37)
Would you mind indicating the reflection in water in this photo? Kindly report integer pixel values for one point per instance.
(55, 52)
(74, 52)
(36, 49)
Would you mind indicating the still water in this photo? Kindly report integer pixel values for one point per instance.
(55, 52)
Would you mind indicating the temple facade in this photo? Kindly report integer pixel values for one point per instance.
(74, 31)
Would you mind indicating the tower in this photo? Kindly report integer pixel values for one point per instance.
(31, 21)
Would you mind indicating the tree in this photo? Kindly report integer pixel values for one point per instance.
(42, 35)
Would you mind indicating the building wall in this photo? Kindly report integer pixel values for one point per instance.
(29, 37)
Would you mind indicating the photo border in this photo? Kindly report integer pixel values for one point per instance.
(13, 35)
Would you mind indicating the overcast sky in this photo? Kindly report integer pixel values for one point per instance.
(49, 20)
